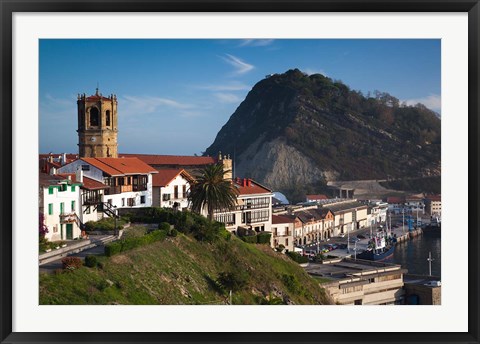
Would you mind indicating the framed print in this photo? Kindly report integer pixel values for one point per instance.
(380, 93)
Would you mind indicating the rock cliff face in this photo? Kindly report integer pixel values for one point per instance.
(299, 131)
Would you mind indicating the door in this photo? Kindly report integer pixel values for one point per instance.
(69, 231)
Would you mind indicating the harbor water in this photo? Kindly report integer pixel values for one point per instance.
(413, 254)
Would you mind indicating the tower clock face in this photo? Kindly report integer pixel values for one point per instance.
(93, 139)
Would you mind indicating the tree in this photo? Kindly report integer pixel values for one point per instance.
(212, 191)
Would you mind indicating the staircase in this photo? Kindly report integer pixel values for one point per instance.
(109, 210)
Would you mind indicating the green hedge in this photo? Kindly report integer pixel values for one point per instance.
(252, 239)
(131, 243)
(264, 238)
(297, 257)
(105, 224)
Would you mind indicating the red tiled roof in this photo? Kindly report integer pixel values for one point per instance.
(92, 184)
(435, 198)
(276, 219)
(316, 197)
(394, 200)
(252, 189)
(120, 166)
(164, 177)
(180, 160)
(47, 179)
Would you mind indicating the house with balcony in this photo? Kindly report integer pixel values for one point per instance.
(377, 212)
(59, 203)
(128, 181)
(283, 227)
(170, 188)
(315, 225)
(414, 204)
(253, 209)
(348, 216)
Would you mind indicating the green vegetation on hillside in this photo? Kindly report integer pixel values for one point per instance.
(429, 185)
(185, 269)
(339, 129)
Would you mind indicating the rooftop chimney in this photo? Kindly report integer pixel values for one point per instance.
(249, 182)
(244, 182)
(79, 175)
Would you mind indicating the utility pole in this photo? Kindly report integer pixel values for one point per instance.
(403, 221)
(430, 259)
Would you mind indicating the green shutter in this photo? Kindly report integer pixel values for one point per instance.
(50, 190)
(73, 188)
(50, 209)
(73, 205)
(62, 207)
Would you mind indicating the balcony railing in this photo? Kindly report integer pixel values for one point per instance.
(112, 190)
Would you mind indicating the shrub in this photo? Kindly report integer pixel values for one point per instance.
(297, 257)
(91, 261)
(280, 248)
(292, 284)
(164, 226)
(250, 239)
(71, 263)
(233, 280)
(264, 238)
(173, 232)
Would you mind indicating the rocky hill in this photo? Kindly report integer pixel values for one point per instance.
(297, 131)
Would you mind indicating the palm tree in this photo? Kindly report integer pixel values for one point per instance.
(212, 191)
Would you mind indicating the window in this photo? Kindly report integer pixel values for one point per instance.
(142, 199)
(286, 242)
(130, 202)
(175, 192)
(73, 188)
(87, 210)
(166, 197)
(50, 190)
(50, 209)
(93, 117)
(123, 202)
(62, 207)
(73, 205)
(184, 190)
(61, 231)
(107, 118)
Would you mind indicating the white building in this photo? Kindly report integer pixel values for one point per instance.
(171, 188)
(128, 180)
(283, 227)
(377, 212)
(433, 205)
(349, 216)
(59, 201)
(253, 210)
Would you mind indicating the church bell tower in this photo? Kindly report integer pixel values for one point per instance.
(97, 126)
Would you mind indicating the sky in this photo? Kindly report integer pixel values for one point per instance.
(174, 95)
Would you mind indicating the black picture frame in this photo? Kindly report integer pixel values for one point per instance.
(9, 7)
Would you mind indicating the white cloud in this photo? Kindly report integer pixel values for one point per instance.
(151, 104)
(256, 42)
(433, 102)
(233, 86)
(227, 97)
(240, 66)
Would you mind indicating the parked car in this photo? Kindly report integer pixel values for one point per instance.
(360, 236)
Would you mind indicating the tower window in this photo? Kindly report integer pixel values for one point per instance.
(93, 117)
(107, 118)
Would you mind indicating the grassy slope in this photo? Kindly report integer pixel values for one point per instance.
(182, 270)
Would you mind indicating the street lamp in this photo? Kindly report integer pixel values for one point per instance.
(115, 232)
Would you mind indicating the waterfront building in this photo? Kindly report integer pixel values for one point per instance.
(170, 188)
(348, 216)
(414, 204)
(359, 282)
(422, 290)
(316, 225)
(396, 205)
(315, 198)
(377, 212)
(433, 205)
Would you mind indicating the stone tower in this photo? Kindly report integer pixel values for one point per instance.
(97, 126)
(227, 165)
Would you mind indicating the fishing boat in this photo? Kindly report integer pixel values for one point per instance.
(381, 247)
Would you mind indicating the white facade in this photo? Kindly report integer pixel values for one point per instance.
(61, 205)
(131, 199)
(175, 191)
